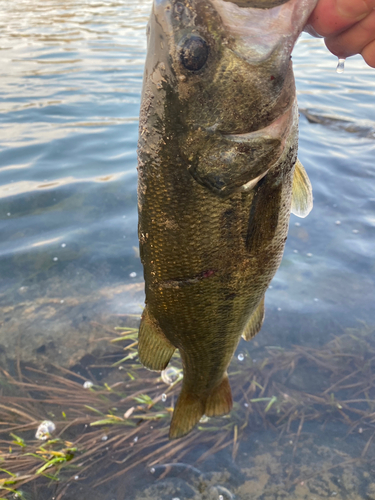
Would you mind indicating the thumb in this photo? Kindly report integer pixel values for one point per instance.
(334, 16)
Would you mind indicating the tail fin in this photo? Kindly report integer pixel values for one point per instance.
(190, 409)
(187, 413)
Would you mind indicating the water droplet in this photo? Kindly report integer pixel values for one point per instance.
(135, 439)
(63, 245)
(45, 430)
(175, 498)
(133, 275)
(241, 356)
(338, 222)
(297, 224)
(62, 301)
(55, 259)
(340, 66)
(309, 254)
(246, 405)
(88, 384)
(170, 375)
(221, 497)
(355, 231)
(164, 397)
(279, 309)
(8, 214)
(360, 430)
(270, 287)
(104, 438)
(152, 470)
(295, 251)
(316, 300)
(76, 477)
(204, 419)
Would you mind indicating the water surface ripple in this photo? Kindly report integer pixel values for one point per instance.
(70, 84)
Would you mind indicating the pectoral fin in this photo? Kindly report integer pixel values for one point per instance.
(302, 198)
(264, 214)
(255, 322)
(154, 348)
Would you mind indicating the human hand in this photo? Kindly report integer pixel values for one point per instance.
(348, 27)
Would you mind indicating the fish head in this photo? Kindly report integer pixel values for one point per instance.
(223, 75)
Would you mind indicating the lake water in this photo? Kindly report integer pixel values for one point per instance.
(70, 83)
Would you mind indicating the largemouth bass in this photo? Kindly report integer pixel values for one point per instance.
(218, 178)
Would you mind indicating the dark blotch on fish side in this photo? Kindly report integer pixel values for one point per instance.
(194, 53)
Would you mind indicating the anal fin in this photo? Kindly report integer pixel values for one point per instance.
(302, 197)
(219, 402)
(154, 348)
(255, 322)
(188, 411)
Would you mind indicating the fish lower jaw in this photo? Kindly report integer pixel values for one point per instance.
(284, 129)
(279, 129)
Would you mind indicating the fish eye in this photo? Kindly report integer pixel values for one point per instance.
(179, 8)
(194, 52)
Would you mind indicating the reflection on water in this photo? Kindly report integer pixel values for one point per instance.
(71, 77)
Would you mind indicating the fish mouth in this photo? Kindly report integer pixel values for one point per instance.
(258, 4)
(278, 130)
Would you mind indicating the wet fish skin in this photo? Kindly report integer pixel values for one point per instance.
(217, 149)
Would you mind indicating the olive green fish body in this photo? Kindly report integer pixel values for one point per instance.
(217, 150)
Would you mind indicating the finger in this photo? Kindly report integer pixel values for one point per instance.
(353, 40)
(334, 16)
(368, 54)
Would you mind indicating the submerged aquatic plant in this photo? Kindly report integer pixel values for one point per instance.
(108, 429)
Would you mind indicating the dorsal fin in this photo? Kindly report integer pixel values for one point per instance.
(302, 197)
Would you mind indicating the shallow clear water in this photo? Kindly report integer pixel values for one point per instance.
(70, 82)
